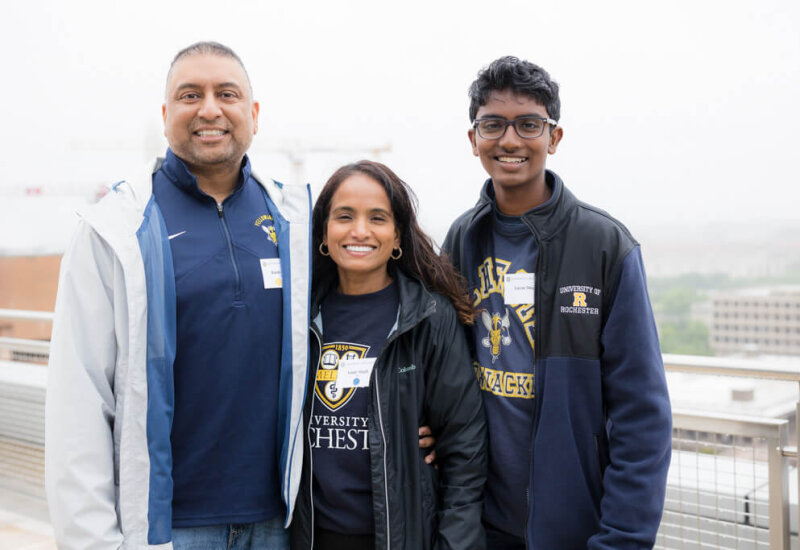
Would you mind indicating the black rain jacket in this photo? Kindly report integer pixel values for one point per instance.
(423, 376)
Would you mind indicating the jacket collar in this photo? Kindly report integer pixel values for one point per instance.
(546, 219)
(122, 209)
(416, 302)
(293, 202)
(178, 173)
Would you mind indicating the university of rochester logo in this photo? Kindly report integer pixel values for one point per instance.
(498, 327)
(331, 395)
(268, 229)
(582, 299)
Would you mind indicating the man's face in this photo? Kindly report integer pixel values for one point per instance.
(209, 116)
(513, 162)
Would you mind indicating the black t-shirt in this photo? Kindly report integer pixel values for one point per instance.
(354, 327)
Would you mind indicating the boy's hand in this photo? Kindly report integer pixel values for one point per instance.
(427, 441)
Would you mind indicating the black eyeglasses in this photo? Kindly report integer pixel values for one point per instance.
(527, 127)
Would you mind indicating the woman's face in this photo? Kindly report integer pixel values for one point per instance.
(360, 234)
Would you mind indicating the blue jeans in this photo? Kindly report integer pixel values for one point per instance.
(267, 535)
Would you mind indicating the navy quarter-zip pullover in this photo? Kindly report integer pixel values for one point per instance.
(224, 446)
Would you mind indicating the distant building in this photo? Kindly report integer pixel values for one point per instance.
(28, 283)
(35, 229)
(763, 321)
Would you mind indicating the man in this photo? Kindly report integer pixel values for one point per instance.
(179, 347)
(566, 348)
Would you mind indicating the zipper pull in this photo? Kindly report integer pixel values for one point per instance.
(219, 209)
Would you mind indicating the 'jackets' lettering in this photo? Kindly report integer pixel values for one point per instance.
(505, 384)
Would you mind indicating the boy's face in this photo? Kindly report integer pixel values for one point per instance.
(512, 162)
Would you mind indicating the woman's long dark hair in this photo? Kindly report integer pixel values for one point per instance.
(419, 258)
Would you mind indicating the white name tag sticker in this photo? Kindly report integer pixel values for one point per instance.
(354, 373)
(271, 271)
(519, 288)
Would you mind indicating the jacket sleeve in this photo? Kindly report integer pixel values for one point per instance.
(639, 424)
(456, 415)
(80, 406)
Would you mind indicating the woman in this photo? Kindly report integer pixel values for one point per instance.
(390, 355)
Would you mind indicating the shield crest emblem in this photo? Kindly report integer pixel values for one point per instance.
(332, 396)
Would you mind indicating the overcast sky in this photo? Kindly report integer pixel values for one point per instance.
(673, 112)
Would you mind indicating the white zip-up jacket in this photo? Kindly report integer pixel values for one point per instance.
(109, 395)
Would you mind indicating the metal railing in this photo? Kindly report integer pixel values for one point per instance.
(24, 349)
(22, 396)
(26, 315)
(728, 484)
(758, 445)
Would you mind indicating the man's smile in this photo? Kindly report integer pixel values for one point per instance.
(205, 133)
(210, 135)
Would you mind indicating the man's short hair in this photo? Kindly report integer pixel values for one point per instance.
(209, 47)
(519, 76)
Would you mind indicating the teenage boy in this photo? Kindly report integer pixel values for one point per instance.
(566, 349)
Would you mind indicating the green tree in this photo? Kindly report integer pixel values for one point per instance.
(676, 301)
(685, 338)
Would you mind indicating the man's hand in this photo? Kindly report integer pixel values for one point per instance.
(427, 441)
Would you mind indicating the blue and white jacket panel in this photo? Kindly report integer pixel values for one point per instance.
(110, 388)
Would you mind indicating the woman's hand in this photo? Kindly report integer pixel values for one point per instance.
(427, 441)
